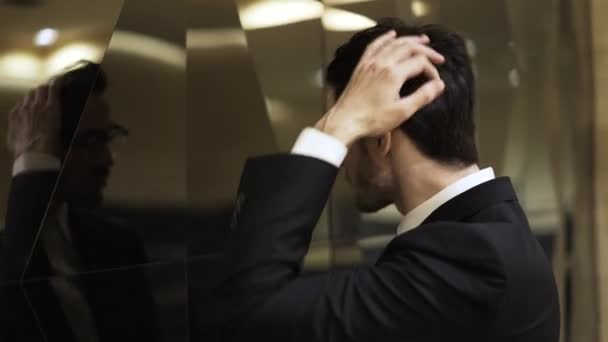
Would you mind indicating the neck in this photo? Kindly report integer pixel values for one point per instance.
(421, 182)
(419, 178)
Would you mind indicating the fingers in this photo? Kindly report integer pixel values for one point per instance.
(416, 66)
(405, 47)
(374, 47)
(424, 95)
(42, 95)
(421, 49)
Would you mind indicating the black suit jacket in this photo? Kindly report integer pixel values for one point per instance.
(473, 271)
(121, 303)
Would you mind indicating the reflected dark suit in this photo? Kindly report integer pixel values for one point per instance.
(473, 271)
(123, 310)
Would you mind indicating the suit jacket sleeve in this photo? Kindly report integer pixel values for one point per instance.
(264, 297)
(28, 199)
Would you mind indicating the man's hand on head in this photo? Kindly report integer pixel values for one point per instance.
(34, 124)
(371, 105)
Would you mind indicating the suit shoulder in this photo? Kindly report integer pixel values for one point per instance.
(463, 250)
(479, 238)
(457, 266)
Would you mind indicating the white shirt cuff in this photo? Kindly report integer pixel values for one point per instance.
(316, 144)
(34, 161)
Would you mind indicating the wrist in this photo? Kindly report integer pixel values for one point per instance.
(38, 147)
(345, 132)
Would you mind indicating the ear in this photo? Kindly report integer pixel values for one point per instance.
(378, 147)
(384, 143)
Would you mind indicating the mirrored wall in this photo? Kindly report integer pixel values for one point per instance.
(114, 229)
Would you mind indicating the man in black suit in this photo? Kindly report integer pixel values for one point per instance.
(52, 231)
(464, 265)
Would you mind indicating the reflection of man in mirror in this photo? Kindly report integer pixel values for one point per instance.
(48, 128)
(60, 136)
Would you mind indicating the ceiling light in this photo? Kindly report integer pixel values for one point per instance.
(270, 13)
(420, 8)
(46, 37)
(340, 20)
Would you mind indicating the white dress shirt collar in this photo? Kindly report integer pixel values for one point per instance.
(415, 217)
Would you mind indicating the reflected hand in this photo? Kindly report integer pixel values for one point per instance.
(371, 105)
(34, 124)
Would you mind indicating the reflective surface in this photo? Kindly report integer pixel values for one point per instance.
(44, 39)
(201, 86)
(148, 101)
(288, 60)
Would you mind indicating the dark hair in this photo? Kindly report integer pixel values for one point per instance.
(77, 84)
(445, 129)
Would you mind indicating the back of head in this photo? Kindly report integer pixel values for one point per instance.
(77, 84)
(445, 129)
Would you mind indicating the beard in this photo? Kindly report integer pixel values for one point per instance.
(372, 199)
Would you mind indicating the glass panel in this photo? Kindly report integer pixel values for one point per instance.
(285, 42)
(125, 172)
(149, 179)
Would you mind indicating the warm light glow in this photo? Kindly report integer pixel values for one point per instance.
(70, 54)
(270, 13)
(318, 79)
(471, 48)
(21, 66)
(514, 78)
(376, 241)
(420, 8)
(215, 38)
(344, 2)
(340, 20)
(141, 45)
(389, 214)
(46, 37)
(279, 112)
